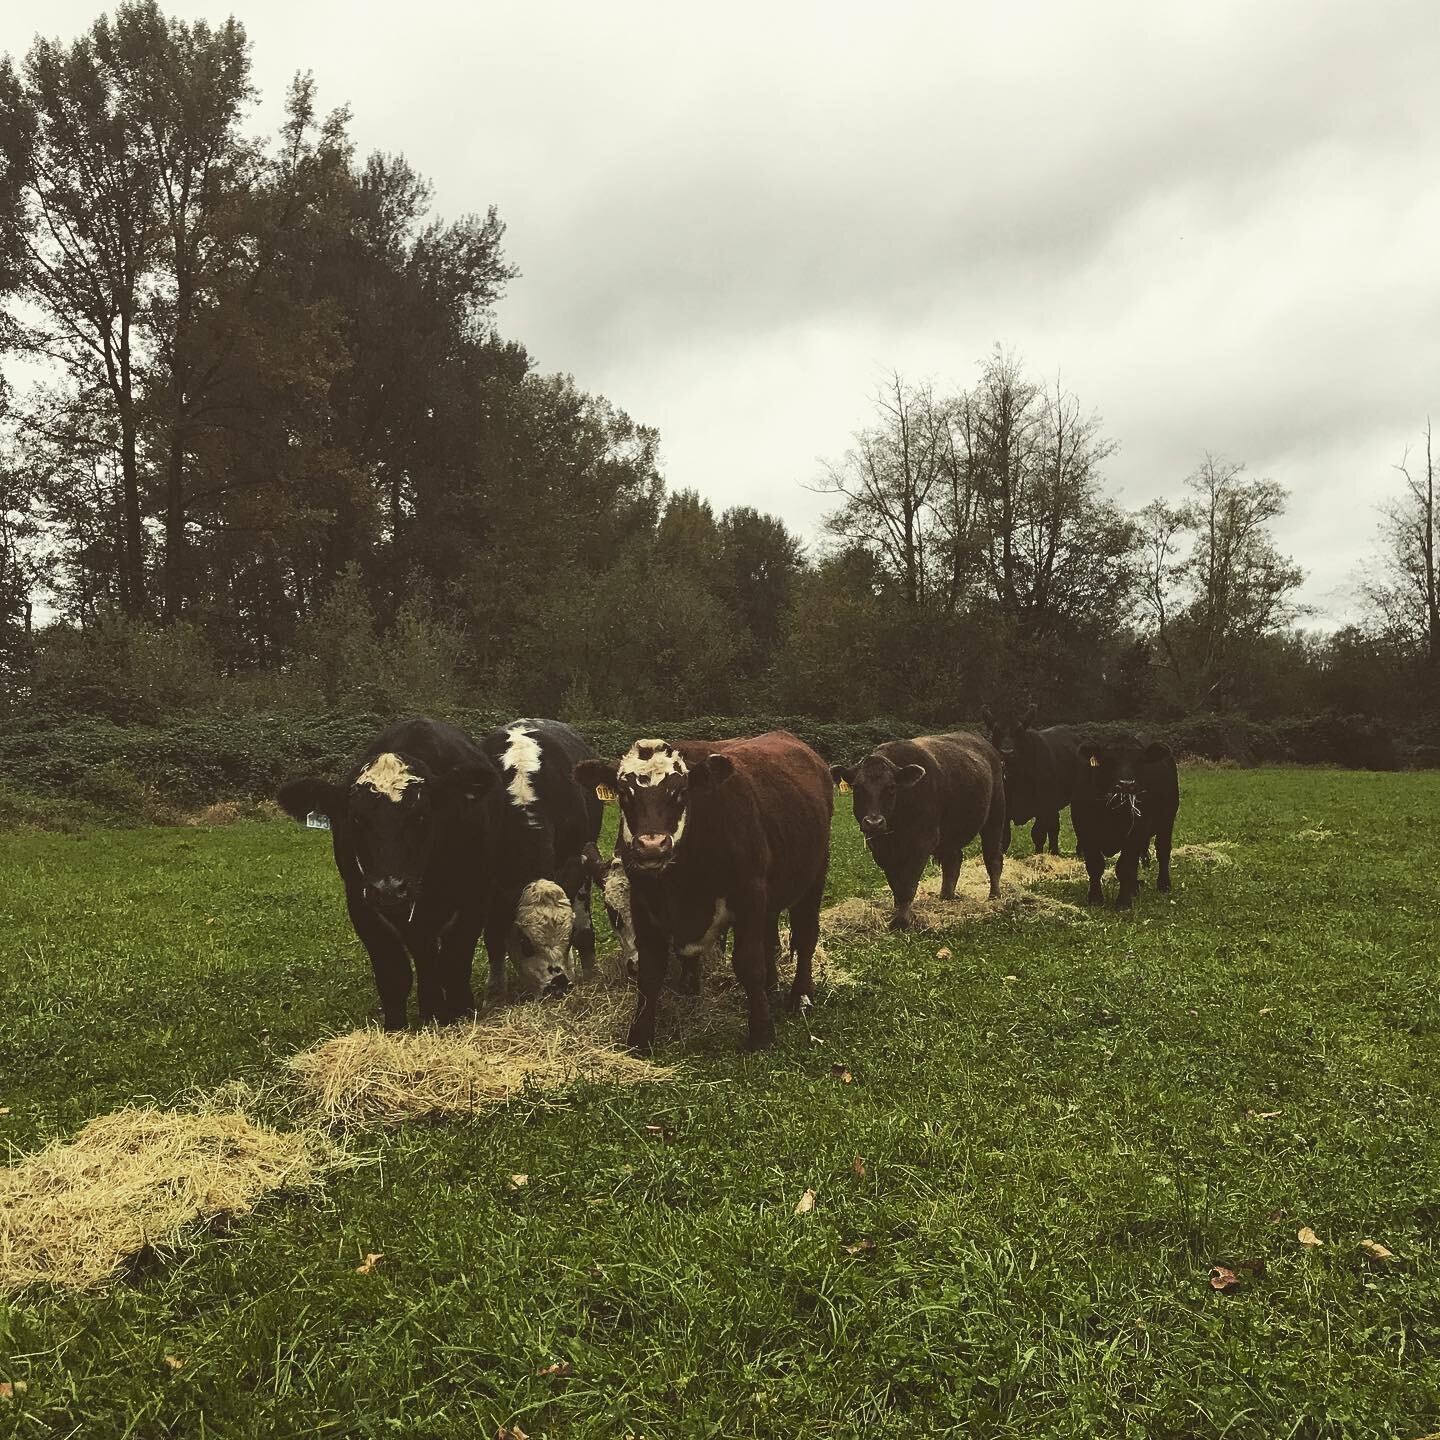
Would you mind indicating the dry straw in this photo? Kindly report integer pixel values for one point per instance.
(862, 916)
(367, 1077)
(74, 1213)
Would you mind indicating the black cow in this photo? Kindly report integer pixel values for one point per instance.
(1040, 771)
(716, 835)
(413, 829)
(549, 822)
(439, 841)
(1127, 794)
(931, 796)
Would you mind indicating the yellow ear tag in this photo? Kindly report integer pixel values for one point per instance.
(1094, 762)
(605, 793)
(844, 787)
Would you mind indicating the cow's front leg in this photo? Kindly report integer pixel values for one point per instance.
(653, 946)
(749, 963)
(495, 936)
(429, 978)
(1127, 872)
(388, 960)
(904, 877)
(583, 935)
(457, 957)
(951, 857)
(1095, 867)
(1163, 839)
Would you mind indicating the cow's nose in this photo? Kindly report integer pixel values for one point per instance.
(872, 822)
(654, 846)
(559, 981)
(1124, 784)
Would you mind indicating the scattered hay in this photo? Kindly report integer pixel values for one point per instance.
(232, 812)
(73, 1214)
(1318, 833)
(861, 916)
(1205, 855)
(368, 1077)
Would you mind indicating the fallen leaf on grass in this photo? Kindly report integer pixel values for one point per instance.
(1276, 1216)
(371, 1261)
(842, 1074)
(663, 1133)
(1374, 1250)
(1011, 979)
(943, 953)
(1261, 1114)
(9, 1389)
(174, 1362)
(858, 1166)
(1308, 1238)
(518, 1182)
(511, 1432)
(806, 1203)
(862, 1247)
(1267, 1010)
(4, 1109)
(559, 1369)
(1223, 1279)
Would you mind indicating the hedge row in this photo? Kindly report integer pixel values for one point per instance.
(187, 763)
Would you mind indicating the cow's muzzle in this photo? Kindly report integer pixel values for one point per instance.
(392, 891)
(652, 852)
(873, 825)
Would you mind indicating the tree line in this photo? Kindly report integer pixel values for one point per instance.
(264, 445)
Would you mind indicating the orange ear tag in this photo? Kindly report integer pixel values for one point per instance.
(844, 787)
(604, 793)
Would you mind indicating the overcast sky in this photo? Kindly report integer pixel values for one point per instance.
(1217, 222)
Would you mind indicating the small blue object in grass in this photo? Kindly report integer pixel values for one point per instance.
(316, 821)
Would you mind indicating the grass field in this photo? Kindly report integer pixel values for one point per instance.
(1061, 1129)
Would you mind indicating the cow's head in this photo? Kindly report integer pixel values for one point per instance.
(877, 783)
(539, 940)
(614, 887)
(1006, 729)
(1117, 771)
(653, 786)
(389, 816)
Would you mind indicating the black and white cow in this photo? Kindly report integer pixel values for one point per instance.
(550, 820)
(440, 841)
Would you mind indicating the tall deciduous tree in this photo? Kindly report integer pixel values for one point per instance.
(1406, 592)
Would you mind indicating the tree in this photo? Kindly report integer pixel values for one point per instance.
(886, 483)
(1405, 595)
(1213, 605)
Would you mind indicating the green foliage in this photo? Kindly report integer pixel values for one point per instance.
(1061, 1131)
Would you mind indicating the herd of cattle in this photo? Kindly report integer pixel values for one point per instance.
(441, 840)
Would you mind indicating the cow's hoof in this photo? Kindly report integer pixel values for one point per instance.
(1125, 904)
(763, 1041)
(639, 1042)
(899, 922)
(1163, 886)
(1095, 897)
(797, 997)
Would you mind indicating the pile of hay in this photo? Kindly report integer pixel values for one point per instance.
(368, 1077)
(73, 1214)
(1204, 855)
(862, 916)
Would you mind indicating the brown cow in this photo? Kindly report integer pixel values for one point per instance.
(715, 834)
(931, 796)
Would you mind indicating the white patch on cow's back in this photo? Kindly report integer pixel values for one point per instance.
(649, 761)
(522, 755)
(388, 775)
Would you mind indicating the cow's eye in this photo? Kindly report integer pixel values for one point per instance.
(526, 946)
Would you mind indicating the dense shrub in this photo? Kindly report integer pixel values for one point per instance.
(155, 772)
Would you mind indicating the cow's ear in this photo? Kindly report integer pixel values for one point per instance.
(843, 775)
(465, 783)
(986, 718)
(909, 775)
(1158, 750)
(312, 795)
(1028, 718)
(595, 866)
(602, 776)
(712, 770)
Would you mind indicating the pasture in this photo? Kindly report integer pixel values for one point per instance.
(1027, 1158)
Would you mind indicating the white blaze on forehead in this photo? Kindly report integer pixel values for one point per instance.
(388, 775)
(648, 762)
(522, 755)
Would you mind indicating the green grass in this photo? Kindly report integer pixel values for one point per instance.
(1053, 1162)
